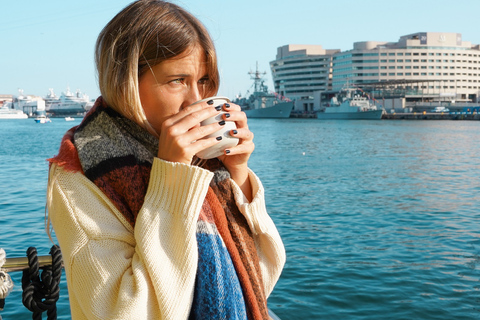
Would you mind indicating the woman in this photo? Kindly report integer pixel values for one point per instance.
(146, 230)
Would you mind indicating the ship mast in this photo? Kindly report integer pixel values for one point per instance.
(257, 77)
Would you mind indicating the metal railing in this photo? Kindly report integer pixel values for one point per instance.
(19, 264)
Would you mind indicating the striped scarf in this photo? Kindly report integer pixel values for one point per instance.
(116, 154)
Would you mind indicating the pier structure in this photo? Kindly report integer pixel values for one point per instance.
(419, 68)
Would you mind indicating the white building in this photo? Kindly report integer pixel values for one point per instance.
(300, 70)
(441, 62)
(430, 65)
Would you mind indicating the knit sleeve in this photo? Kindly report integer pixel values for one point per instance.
(115, 271)
(269, 245)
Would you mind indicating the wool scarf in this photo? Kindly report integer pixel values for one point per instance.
(117, 154)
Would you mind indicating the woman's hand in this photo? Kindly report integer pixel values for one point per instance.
(181, 135)
(236, 158)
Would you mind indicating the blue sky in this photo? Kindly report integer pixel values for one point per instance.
(49, 44)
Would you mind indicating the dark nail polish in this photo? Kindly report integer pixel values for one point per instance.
(227, 115)
(235, 131)
(218, 108)
(227, 151)
(227, 105)
(219, 138)
(222, 123)
(210, 102)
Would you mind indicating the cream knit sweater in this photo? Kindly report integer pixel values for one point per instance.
(115, 271)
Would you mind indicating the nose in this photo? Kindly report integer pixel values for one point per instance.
(193, 95)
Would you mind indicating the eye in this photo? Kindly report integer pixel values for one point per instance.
(204, 80)
(178, 81)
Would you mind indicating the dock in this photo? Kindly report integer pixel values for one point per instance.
(431, 116)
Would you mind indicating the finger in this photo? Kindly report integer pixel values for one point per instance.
(194, 108)
(201, 132)
(202, 144)
(242, 148)
(242, 133)
(231, 107)
(239, 117)
(188, 118)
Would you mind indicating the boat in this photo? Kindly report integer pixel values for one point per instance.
(262, 103)
(42, 119)
(9, 113)
(69, 119)
(351, 104)
(67, 104)
(51, 98)
(29, 104)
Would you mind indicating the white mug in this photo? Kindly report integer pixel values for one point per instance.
(227, 140)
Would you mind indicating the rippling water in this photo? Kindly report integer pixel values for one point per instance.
(379, 218)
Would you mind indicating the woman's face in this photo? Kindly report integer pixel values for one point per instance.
(172, 85)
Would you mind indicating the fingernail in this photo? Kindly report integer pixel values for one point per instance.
(219, 138)
(227, 151)
(235, 131)
(222, 123)
(218, 108)
(227, 105)
(210, 102)
(227, 115)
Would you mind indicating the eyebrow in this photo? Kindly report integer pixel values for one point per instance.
(182, 75)
(185, 75)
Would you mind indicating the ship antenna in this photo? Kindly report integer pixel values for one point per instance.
(257, 77)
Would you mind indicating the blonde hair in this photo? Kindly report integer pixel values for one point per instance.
(142, 35)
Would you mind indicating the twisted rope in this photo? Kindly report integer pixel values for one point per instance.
(41, 292)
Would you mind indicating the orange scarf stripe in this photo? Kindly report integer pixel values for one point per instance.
(222, 226)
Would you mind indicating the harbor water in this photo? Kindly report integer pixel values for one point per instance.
(380, 219)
